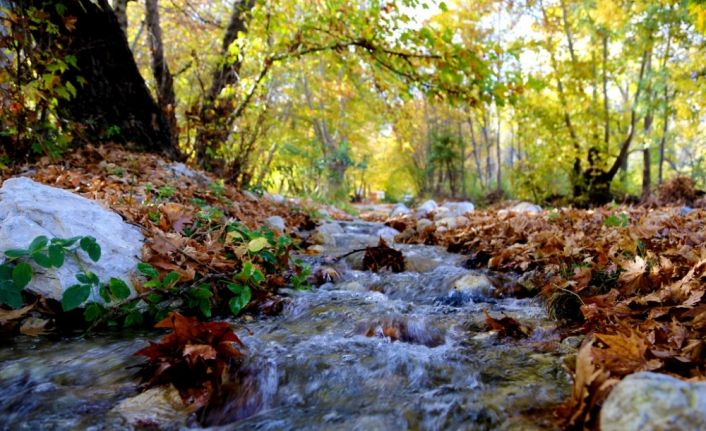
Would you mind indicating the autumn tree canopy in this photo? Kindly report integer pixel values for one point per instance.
(542, 100)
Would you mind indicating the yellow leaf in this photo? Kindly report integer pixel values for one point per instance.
(257, 244)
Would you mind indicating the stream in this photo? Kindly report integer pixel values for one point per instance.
(370, 351)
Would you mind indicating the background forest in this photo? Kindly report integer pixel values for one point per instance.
(554, 101)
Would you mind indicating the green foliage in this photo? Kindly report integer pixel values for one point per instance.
(300, 277)
(91, 247)
(74, 296)
(16, 272)
(619, 220)
(263, 255)
(30, 123)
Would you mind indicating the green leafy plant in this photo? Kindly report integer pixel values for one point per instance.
(248, 278)
(616, 220)
(300, 276)
(265, 265)
(165, 192)
(112, 132)
(16, 272)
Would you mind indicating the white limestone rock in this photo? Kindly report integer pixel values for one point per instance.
(324, 234)
(278, 199)
(276, 223)
(250, 195)
(399, 210)
(526, 207)
(651, 402)
(427, 207)
(387, 233)
(458, 209)
(423, 224)
(473, 285)
(453, 222)
(29, 209)
(180, 169)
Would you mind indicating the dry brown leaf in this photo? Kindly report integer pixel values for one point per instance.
(635, 277)
(507, 326)
(624, 354)
(9, 315)
(34, 326)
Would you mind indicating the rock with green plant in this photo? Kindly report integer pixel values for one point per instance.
(54, 234)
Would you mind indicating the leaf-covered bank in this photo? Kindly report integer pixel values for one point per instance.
(630, 278)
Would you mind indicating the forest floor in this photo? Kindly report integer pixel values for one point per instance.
(631, 279)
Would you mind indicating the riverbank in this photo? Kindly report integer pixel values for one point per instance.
(629, 279)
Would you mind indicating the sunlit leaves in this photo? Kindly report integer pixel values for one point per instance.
(148, 270)
(257, 244)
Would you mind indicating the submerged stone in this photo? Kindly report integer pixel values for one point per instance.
(324, 234)
(388, 234)
(160, 407)
(473, 285)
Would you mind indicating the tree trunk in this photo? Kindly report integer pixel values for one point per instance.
(215, 115)
(462, 166)
(488, 151)
(665, 119)
(646, 157)
(663, 140)
(476, 150)
(114, 94)
(498, 156)
(598, 181)
(120, 8)
(606, 108)
(646, 173)
(166, 97)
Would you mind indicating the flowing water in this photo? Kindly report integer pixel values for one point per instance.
(367, 352)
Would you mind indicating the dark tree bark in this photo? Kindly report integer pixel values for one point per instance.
(663, 140)
(166, 97)
(215, 116)
(120, 8)
(113, 94)
(646, 155)
(498, 157)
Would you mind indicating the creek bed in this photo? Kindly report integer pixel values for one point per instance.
(368, 352)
